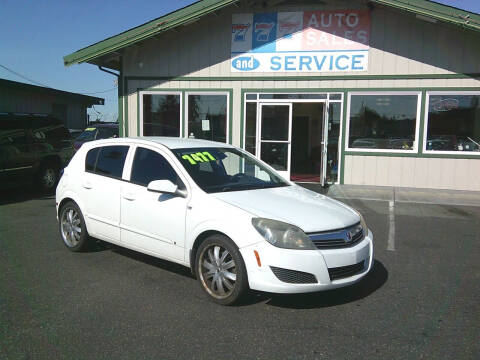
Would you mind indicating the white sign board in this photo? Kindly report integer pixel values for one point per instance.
(310, 41)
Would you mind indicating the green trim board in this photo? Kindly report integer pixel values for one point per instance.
(311, 78)
(183, 92)
(464, 19)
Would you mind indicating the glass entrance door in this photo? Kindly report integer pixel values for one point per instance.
(275, 132)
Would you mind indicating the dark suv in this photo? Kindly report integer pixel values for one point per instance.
(32, 147)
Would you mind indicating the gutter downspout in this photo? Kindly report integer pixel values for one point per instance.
(123, 128)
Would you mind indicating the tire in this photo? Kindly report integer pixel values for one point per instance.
(47, 177)
(220, 270)
(73, 230)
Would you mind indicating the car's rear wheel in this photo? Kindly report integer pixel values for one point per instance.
(220, 269)
(72, 227)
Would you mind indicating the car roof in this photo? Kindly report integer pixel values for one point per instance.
(169, 142)
(106, 125)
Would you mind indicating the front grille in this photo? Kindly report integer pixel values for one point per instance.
(293, 276)
(341, 238)
(346, 271)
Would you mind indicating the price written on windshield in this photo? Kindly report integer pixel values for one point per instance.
(198, 157)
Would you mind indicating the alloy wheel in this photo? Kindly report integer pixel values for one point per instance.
(49, 178)
(71, 227)
(218, 273)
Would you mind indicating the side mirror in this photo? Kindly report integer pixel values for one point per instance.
(165, 187)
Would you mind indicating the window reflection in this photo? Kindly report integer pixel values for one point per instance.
(453, 123)
(161, 115)
(383, 121)
(207, 117)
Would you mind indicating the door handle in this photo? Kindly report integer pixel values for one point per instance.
(129, 196)
(87, 184)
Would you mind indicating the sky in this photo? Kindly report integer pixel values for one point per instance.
(36, 34)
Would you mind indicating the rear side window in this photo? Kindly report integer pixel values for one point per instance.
(109, 160)
(149, 165)
(91, 160)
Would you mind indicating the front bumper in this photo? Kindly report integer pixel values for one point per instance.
(315, 262)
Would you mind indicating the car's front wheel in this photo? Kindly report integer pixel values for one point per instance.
(220, 269)
(72, 227)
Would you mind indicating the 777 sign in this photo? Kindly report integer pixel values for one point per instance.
(239, 31)
(263, 30)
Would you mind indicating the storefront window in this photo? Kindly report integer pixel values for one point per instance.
(251, 127)
(383, 121)
(453, 123)
(161, 114)
(207, 117)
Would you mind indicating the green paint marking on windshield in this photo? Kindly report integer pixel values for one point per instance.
(197, 157)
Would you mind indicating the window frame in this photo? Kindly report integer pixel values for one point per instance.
(172, 160)
(426, 119)
(156, 92)
(414, 150)
(193, 92)
(99, 147)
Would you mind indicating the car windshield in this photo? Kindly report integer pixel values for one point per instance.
(226, 169)
(88, 134)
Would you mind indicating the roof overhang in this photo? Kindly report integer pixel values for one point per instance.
(111, 46)
(108, 52)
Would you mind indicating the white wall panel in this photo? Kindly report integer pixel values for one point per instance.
(435, 173)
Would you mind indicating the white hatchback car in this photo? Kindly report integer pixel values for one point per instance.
(216, 209)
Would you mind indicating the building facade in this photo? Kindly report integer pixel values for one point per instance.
(352, 92)
(71, 108)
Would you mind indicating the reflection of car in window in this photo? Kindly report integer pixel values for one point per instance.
(32, 147)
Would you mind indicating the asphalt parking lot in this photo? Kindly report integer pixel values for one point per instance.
(420, 301)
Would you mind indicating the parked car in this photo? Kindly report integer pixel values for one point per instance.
(213, 208)
(32, 147)
(96, 132)
(74, 133)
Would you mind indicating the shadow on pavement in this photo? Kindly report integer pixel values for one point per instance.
(373, 281)
(153, 261)
(22, 194)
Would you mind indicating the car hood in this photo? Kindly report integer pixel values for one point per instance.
(310, 211)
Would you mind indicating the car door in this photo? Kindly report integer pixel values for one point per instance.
(153, 222)
(100, 190)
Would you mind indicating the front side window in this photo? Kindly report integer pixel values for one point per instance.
(107, 160)
(161, 114)
(207, 117)
(148, 165)
(453, 123)
(226, 169)
(383, 121)
(88, 134)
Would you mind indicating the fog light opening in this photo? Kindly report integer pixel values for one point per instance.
(258, 258)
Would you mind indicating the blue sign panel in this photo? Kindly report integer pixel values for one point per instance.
(264, 32)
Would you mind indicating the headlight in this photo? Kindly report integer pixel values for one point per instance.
(363, 224)
(283, 235)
